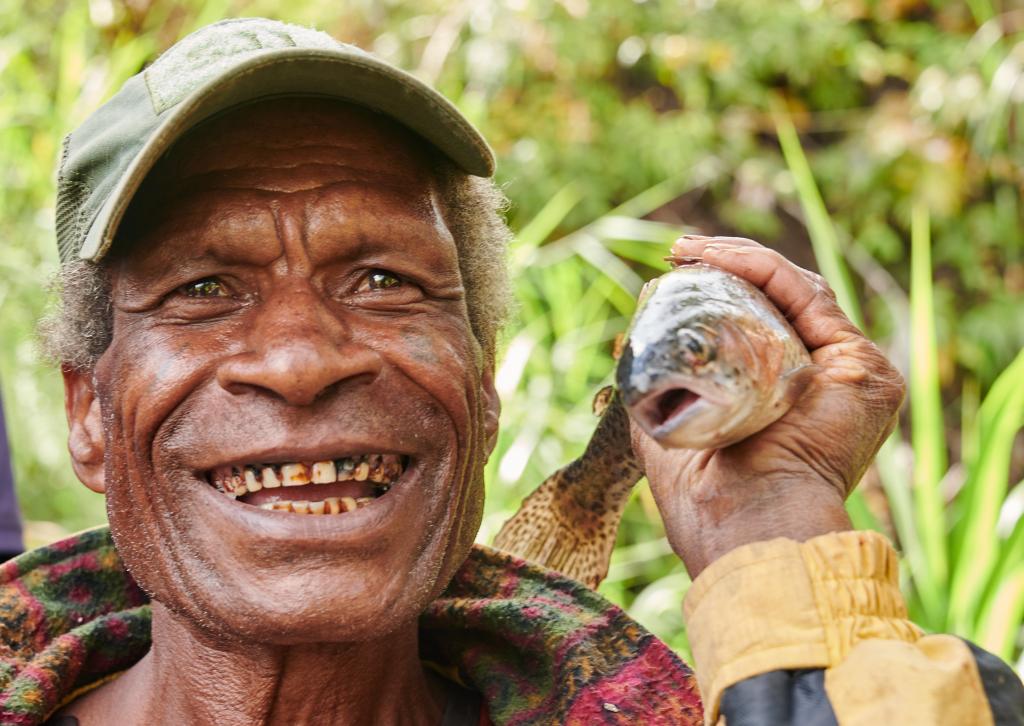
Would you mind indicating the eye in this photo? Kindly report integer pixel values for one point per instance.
(380, 280)
(695, 345)
(205, 288)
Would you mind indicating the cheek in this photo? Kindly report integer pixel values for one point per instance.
(438, 356)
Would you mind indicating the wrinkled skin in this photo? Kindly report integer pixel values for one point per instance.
(270, 616)
(790, 479)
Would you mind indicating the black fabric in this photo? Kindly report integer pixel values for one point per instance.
(463, 708)
(1003, 688)
(779, 698)
(62, 721)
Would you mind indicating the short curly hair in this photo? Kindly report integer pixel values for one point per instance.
(78, 328)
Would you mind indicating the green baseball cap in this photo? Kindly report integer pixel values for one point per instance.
(233, 62)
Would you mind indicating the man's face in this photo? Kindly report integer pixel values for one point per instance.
(287, 295)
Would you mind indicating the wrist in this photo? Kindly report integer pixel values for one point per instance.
(712, 526)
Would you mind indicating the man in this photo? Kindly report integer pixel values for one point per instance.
(282, 283)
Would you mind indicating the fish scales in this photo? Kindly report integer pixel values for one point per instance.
(696, 329)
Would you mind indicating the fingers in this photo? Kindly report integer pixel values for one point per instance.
(802, 296)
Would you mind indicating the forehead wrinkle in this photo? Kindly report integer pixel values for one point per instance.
(307, 176)
(343, 212)
(291, 229)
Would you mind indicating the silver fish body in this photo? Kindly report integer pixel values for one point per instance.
(708, 360)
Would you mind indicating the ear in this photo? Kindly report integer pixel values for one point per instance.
(492, 407)
(85, 429)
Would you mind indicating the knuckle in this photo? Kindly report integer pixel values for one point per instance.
(821, 285)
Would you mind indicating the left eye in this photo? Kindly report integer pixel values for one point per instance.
(380, 280)
(207, 287)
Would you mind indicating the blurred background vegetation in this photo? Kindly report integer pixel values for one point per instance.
(879, 141)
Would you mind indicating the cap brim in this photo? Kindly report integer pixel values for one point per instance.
(360, 79)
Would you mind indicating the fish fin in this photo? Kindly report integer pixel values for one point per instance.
(618, 346)
(602, 399)
(796, 382)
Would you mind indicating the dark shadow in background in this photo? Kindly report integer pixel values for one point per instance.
(11, 542)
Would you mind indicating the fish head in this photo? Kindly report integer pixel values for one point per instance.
(688, 390)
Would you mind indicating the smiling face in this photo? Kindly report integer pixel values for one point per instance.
(288, 306)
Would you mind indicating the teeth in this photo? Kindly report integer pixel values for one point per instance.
(324, 472)
(294, 475)
(331, 505)
(270, 479)
(382, 470)
(236, 483)
(345, 468)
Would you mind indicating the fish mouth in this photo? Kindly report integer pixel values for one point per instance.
(665, 409)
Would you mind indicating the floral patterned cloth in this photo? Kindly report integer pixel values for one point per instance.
(540, 648)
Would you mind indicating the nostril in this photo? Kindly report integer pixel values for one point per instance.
(299, 375)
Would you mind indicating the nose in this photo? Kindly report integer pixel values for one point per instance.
(297, 350)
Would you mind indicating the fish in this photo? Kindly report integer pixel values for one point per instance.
(708, 360)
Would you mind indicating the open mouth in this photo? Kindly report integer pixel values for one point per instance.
(663, 411)
(331, 486)
(667, 405)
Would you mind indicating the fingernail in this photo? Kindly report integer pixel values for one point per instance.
(694, 236)
(680, 260)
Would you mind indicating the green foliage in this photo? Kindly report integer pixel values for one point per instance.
(619, 125)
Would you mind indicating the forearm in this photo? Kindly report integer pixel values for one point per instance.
(819, 631)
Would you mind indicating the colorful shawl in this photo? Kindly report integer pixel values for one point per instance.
(540, 648)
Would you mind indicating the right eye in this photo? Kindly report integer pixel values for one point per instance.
(205, 288)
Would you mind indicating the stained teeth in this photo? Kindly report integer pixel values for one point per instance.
(345, 467)
(236, 483)
(270, 479)
(294, 475)
(382, 470)
(324, 472)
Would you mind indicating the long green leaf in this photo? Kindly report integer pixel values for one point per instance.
(824, 238)
(1001, 417)
(926, 420)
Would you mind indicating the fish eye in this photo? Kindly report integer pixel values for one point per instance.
(695, 345)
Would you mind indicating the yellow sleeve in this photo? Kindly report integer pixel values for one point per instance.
(830, 603)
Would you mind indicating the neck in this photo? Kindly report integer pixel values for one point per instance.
(189, 676)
